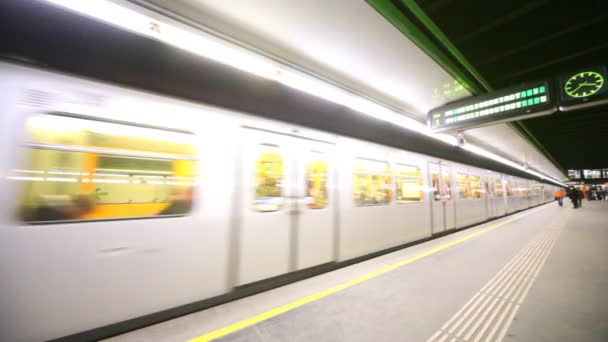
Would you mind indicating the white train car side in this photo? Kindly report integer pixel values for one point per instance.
(120, 203)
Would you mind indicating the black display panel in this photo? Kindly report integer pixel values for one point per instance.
(516, 103)
(583, 88)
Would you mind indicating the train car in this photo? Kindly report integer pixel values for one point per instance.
(121, 203)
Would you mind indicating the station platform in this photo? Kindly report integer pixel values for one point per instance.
(538, 275)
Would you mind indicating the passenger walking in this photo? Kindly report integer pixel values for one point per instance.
(559, 196)
(581, 195)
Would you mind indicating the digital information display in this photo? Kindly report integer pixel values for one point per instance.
(574, 174)
(533, 99)
(583, 88)
(588, 174)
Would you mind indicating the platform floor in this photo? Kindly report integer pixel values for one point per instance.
(539, 275)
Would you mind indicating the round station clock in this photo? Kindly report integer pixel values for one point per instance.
(584, 84)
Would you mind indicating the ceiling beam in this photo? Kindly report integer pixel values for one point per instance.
(537, 42)
(554, 61)
(496, 22)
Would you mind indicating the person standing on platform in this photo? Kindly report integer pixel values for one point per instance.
(586, 192)
(559, 196)
(573, 195)
(581, 195)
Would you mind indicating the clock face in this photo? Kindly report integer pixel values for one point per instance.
(584, 84)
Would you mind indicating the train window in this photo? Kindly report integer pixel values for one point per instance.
(372, 182)
(523, 190)
(509, 188)
(469, 186)
(489, 184)
(316, 180)
(434, 181)
(464, 189)
(475, 182)
(441, 190)
(409, 184)
(83, 169)
(447, 184)
(269, 179)
(435, 185)
(498, 191)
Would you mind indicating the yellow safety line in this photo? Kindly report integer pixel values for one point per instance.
(290, 306)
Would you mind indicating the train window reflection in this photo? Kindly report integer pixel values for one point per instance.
(372, 182)
(469, 186)
(441, 186)
(409, 184)
(316, 181)
(509, 188)
(435, 185)
(441, 190)
(498, 190)
(75, 179)
(464, 190)
(489, 184)
(523, 190)
(269, 179)
(447, 184)
(475, 183)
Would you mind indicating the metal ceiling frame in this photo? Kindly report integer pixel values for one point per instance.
(438, 46)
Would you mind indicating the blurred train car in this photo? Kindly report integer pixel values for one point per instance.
(119, 203)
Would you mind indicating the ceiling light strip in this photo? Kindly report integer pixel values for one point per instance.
(490, 155)
(214, 48)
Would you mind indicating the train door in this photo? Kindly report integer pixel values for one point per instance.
(287, 211)
(314, 206)
(442, 205)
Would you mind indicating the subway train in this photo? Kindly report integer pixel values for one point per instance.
(117, 203)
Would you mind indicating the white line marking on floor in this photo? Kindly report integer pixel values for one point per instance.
(501, 296)
(490, 320)
(498, 323)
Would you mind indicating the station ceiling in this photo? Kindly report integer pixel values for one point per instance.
(516, 41)
(49, 37)
(350, 43)
(507, 42)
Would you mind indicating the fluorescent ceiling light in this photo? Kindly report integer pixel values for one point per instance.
(214, 48)
(490, 155)
(480, 151)
(193, 41)
(211, 47)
